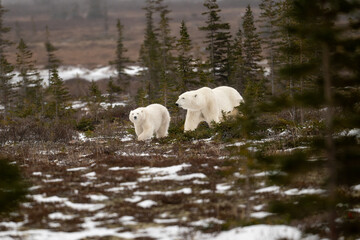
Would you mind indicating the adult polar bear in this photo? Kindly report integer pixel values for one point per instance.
(150, 120)
(206, 104)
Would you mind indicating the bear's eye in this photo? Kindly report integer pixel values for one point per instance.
(182, 98)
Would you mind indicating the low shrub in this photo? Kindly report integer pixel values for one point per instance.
(85, 124)
(33, 129)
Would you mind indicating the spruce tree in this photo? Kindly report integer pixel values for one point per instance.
(167, 45)
(218, 40)
(12, 185)
(294, 49)
(289, 44)
(253, 72)
(150, 55)
(332, 154)
(112, 89)
(237, 62)
(94, 100)
(270, 31)
(7, 88)
(121, 60)
(52, 60)
(30, 88)
(185, 61)
(252, 49)
(59, 94)
(7, 93)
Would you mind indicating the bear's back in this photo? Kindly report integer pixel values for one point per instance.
(227, 98)
(157, 114)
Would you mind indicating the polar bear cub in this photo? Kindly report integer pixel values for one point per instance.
(206, 104)
(150, 120)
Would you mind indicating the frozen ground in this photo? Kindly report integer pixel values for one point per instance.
(123, 189)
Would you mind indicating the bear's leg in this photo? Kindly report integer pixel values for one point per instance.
(193, 118)
(147, 133)
(163, 130)
(213, 114)
(138, 130)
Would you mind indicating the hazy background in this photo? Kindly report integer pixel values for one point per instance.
(89, 40)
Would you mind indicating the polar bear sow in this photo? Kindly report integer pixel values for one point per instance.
(150, 120)
(206, 104)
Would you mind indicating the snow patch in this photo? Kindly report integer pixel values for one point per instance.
(60, 216)
(134, 199)
(206, 222)
(120, 168)
(76, 169)
(147, 204)
(53, 199)
(84, 206)
(97, 197)
(167, 193)
(260, 215)
(274, 189)
(296, 191)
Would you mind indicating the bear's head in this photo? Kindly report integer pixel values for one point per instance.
(137, 115)
(191, 100)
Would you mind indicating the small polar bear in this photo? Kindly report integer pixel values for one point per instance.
(150, 120)
(206, 104)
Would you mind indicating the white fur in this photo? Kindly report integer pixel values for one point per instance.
(150, 120)
(206, 104)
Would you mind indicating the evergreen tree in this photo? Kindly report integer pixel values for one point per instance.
(294, 49)
(7, 92)
(185, 61)
(59, 94)
(33, 25)
(150, 55)
(52, 61)
(120, 60)
(253, 72)
(12, 186)
(289, 54)
(270, 31)
(237, 62)
(333, 151)
(167, 45)
(94, 100)
(30, 88)
(218, 40)
(112, 89)
(141, 98)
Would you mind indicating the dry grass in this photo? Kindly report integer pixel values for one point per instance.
(85, 42)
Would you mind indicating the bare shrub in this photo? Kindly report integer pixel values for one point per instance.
(32, 129)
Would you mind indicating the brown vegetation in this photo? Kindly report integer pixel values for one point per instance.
(85, 42)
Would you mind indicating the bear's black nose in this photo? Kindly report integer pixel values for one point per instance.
(135, 117)
(177, 104)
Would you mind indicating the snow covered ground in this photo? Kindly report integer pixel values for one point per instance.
(255, 232)
(138, 190)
